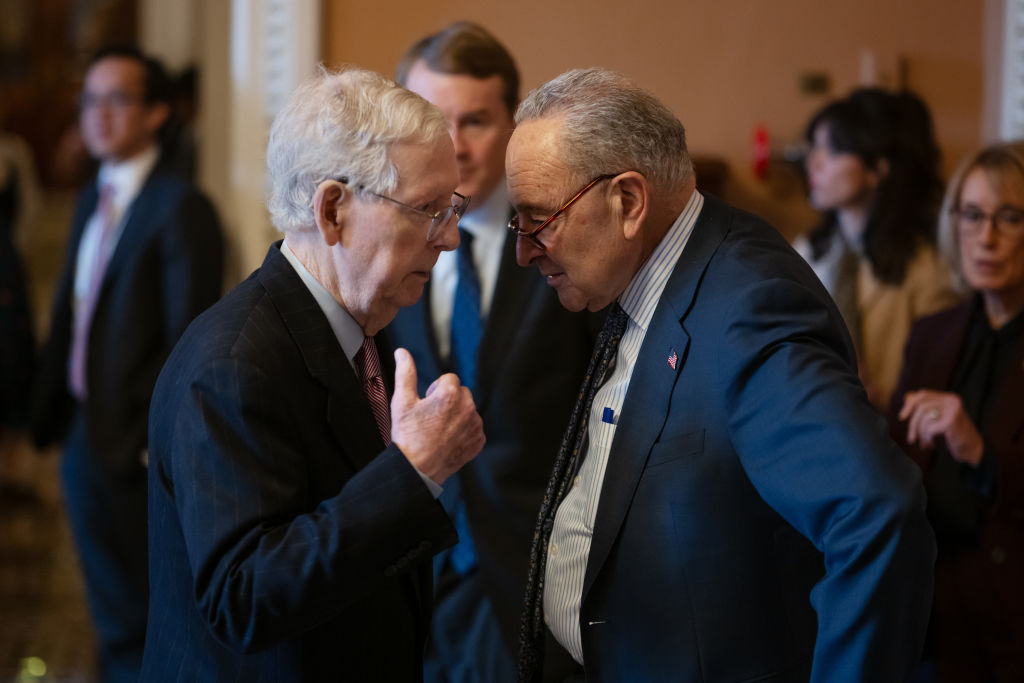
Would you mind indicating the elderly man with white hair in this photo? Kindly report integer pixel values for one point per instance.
(293, 513)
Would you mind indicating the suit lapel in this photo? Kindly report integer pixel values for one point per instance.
(651, 385)
(136, 224)
(512, 294)
(1006, 423)
(937, 370)
(348, 411)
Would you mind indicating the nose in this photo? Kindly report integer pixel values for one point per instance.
(447, 237)
(526, 251)
(987, 233)
(813, 160)
(459, 141)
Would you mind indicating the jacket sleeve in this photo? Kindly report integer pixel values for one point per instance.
(820, 456)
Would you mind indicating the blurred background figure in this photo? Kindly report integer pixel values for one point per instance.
(144, 257)
(958, 413)
(873, 172)
(19, 199)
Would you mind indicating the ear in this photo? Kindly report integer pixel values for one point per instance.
(156, 116)
(633, 193)
(880, 171)
(328, 201)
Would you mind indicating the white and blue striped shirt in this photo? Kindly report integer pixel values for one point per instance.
(569, 546)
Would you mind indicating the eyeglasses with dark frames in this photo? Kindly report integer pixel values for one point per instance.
(438, 219)
(1006, 220)
(515, 223)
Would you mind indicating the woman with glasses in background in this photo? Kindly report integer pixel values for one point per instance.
(959, 413)
(873, 172)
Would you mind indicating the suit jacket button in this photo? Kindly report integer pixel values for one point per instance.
(401, 563)
(425, 545)
(390, 571)
(998, 555)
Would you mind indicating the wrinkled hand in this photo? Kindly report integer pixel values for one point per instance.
(930, 414)
(440, 432)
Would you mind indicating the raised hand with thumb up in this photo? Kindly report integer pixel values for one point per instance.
(440, 432)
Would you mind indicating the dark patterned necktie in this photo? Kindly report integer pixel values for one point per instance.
(368, 363)
(531, 628)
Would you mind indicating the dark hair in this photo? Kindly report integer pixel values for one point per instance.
(156, 85)
(465, 48)
(877, 125)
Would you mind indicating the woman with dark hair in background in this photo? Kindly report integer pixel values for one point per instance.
(959, 413)
(873, 172)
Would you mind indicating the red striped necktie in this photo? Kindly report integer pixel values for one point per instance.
(368, 363)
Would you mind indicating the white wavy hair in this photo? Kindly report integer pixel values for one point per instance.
(341, 123)
(611, 125)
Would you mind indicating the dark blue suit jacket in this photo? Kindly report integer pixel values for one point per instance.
(167, 268)
(532, 358)
(286, 543)
(756, 521)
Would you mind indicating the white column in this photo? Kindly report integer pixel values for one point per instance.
(254, 54)
(1011, 121)
(168, 30)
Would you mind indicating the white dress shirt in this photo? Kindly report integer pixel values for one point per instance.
(125, 180)
(488, 223)
(569, 545)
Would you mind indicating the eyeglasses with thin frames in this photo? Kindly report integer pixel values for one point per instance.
(1007, 220)
(515, 223)
(438, 219)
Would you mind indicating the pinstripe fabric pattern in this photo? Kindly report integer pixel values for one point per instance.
(569, 545)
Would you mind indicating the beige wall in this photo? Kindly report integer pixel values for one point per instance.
(724, 66)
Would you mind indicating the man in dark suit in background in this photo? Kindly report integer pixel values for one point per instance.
(504, 333)
(292, 514)
(145, 256)
(726, 506)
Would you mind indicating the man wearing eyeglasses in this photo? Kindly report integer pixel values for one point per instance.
(726, 505)
(294, 466)
(502, 330)
(145, 256)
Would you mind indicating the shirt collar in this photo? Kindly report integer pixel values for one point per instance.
(348, 332)
(127, 177)
(490, 215)
(641, 296)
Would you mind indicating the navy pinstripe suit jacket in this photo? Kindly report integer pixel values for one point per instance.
(286, 543)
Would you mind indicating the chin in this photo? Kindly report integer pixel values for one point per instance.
(572, 301)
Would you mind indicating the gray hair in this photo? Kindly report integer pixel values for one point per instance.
(1004, 164)
(611, 125)
(342, 123)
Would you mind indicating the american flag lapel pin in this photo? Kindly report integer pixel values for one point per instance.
(673, 359)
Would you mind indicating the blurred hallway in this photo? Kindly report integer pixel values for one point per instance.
(45, 632)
